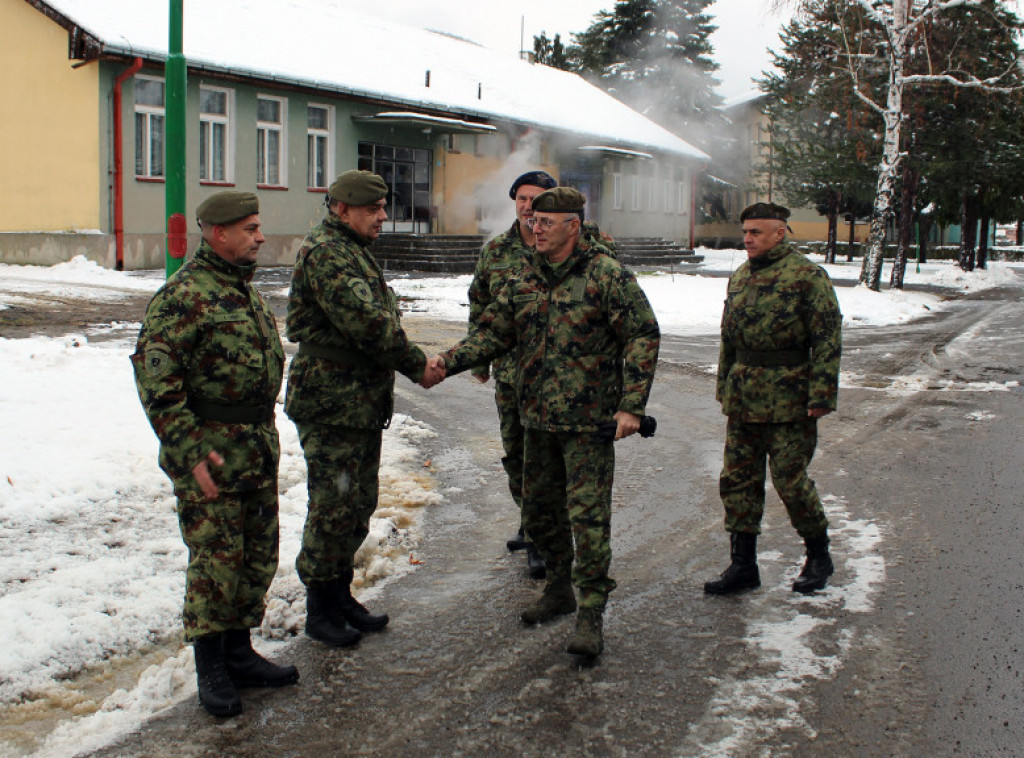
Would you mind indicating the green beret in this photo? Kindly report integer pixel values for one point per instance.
(358, 188)
(225, 207)
(764, 211)
(559, 200)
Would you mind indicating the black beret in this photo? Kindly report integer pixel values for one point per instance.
(559, 200)
(540, 179)
(225, 207)
(764, 211)
(358, 188)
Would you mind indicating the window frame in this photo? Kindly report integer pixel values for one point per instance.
(207, 120)
(279, 127)
(328, 137)
(148, 112)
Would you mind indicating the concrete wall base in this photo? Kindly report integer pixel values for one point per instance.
(141, 251)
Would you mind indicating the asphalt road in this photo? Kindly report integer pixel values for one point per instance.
(915, 649)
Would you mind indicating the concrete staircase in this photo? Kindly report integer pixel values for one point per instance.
(458, 253)
(653, 251)
(432, 253)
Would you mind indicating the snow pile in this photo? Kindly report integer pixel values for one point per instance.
(91, 560)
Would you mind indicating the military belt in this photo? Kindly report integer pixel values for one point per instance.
(232, 414)
(769, 358)
(332, 353)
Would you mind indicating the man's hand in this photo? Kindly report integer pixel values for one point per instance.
(202, 474)
(433, 373)
(628, 423)
(818, 412)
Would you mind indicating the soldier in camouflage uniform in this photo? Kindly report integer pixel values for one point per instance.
(500, 259)
(208, 367)
(586, 342)
(778, 373)
(341, 395)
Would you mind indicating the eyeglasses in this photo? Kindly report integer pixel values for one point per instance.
(545, 223)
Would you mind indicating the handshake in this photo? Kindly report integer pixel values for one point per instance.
(433, 373)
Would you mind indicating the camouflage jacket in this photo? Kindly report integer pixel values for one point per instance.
(209, 337)
(782, 302)
(500, 259)
(585, 337)
(339, 300)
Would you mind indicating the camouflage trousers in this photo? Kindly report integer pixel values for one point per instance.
(511, 437)
(788, 448)
(342, 478)
(567, 508)
(232, 558)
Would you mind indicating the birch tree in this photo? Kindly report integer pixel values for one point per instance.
(902, 22)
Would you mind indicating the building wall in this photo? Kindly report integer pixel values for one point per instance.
(60, 153)
(51, 148)
(647, 198)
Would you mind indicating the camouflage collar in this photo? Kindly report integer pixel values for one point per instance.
(777, 253)
(334, 222)
(206, 256)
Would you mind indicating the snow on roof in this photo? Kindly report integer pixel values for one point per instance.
(316, 43)
(742, 98)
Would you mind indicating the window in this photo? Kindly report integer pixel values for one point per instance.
(319, 146)
(668, 196)
(271, 115)
(215, 135)
(680, 198)
(617, 191)
(406, 171)
(652, 200)
(635, 182)
(149, 127)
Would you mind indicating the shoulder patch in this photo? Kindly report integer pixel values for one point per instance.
(362, 291)
(157, 362)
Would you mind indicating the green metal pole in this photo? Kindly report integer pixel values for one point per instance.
(174, 156)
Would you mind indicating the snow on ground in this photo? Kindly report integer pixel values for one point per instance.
(91, 561)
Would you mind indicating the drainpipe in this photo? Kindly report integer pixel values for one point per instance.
(118, 150)
(693, 206)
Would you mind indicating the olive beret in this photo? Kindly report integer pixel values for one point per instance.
(541, 179)
(225, 207)
(764, 211)
(559, 200)
(358, 188)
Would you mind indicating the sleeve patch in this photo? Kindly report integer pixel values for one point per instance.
(157, 362)
(362, 291)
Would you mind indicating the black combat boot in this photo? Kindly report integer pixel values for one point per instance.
(742, 573)
(518, 542)
(588, 639)
(247, 668)
(818, 566)
(557, 599)
(324, 619)
(535, 562)
(355, 613)
(216, 692)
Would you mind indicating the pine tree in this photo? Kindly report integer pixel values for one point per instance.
(655, 56)
(824, 143)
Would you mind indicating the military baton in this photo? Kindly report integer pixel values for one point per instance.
(606, 429)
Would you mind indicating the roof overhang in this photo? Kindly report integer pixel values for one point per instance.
(440, 124)
(619, 152)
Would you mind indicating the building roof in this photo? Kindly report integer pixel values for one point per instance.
(318, 44)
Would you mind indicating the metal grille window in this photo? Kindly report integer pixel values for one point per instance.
(214, 135)
(271, 116)
(406, 171)
(149, 127)
(319, 143)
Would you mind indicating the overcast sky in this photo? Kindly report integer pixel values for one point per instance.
(746, 27)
